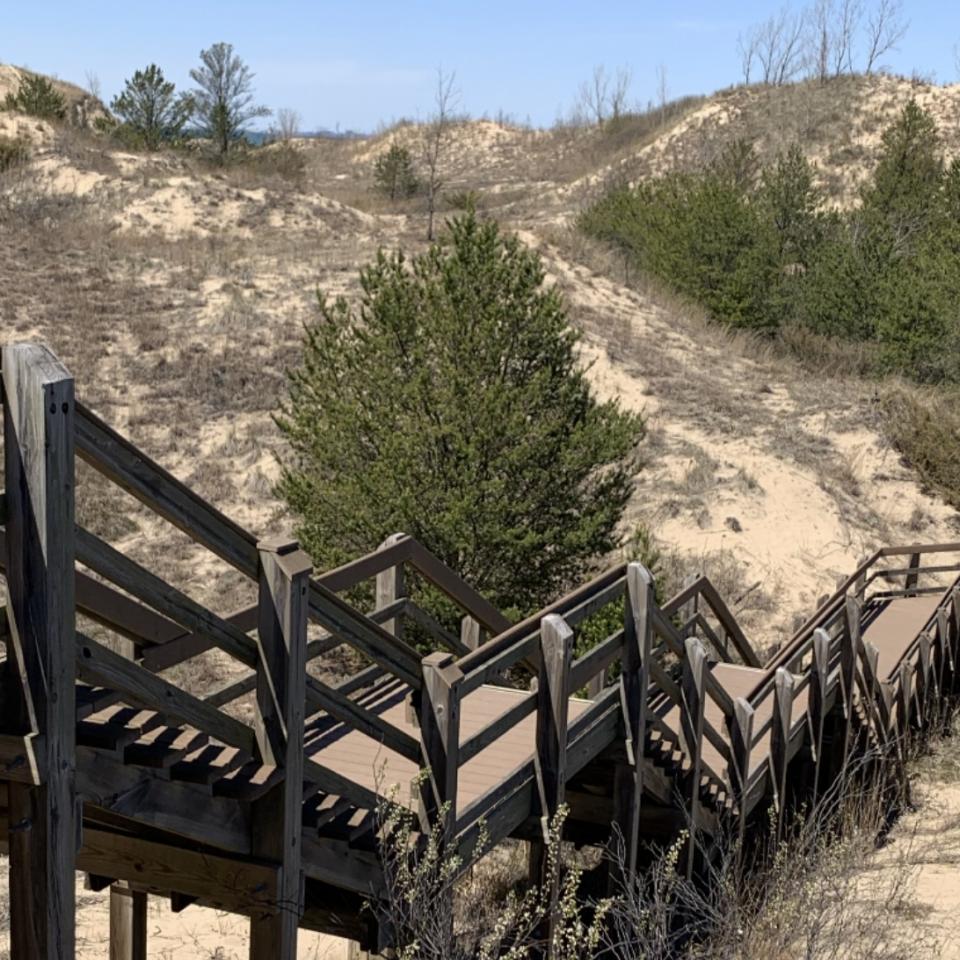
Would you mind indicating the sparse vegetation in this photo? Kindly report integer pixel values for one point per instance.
(452, 407)
(14, 151)
(37, 97)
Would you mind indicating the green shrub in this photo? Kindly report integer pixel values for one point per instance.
(38, 97)
(452, 406)
(13, 153)
(757, 248)
(394, 175)
(150, 112)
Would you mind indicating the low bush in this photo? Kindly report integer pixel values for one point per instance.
(14, 152)
(758, 248)
(38, 97)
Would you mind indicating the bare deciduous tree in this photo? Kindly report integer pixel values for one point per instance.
(435, 135)
(94, 87)
(594, 94)
(846, 20)
(287, 125)
(885, 29)
(747, 48)
(779, 48)
(619, 89)
(662, 90)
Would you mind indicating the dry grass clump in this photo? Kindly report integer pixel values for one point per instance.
(924, 426)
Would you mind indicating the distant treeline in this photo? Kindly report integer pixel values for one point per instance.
(758, 247)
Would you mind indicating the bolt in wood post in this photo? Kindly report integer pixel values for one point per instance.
(440, 740)
(277, 817)
(390, 587)
(553, 701)
(39, 437)
(634, 683)
(692, 702)
(783, 685)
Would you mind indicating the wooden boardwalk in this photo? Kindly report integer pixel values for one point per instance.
(110, 768)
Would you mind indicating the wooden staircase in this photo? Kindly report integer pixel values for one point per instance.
(109, 767)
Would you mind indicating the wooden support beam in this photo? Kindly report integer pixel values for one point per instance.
(913, 572)
(692, 704)
(38, 417)
(440, 741)
(634, 683)
(471, 633)
(849, 645)
(780, 741)
(550, 758)
(817, 705)
(128, 908)
(390, 586)
(277, 818)
(741, 747)
(128, 923)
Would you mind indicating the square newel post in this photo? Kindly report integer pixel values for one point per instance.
(38, 418)
(553, 703)
(390, 587)
(634, 683)
(277, 818)
(440, 740)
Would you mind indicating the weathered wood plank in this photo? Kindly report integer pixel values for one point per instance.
(634, 684)
(38, 416)
(692, 702)
(550, 757)
(277, 818)
(96, 664)
(440, 740)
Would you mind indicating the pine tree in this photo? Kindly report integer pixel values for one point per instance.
(394, 175)
(223, 98)
(452, 406)
(150, 112)
(38, 97)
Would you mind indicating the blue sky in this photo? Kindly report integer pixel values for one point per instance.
(357, 64)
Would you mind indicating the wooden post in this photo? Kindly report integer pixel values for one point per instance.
(926, 695)
(553, 701)
(471, 633)
(128, 908)
(819, 689)
(913, 572)
(39, 435)
(849, 644)
(783, 685)
(692, 703)
(390, 587)
(634, 682)
(689, 609)
(128, 923)
(945, 651)
(277, 817)
(440, 740)
(741, 745)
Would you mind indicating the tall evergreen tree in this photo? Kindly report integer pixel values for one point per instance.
(150, 111)
(223, 98)
(452, 405)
